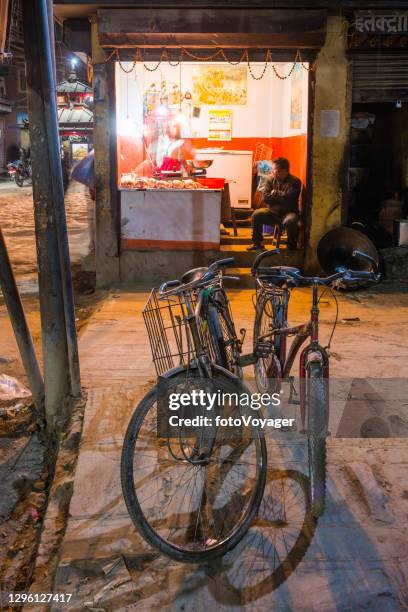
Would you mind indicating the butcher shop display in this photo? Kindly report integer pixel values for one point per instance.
(130, 181)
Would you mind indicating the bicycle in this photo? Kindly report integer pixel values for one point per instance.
(271, 331)
(193, 493)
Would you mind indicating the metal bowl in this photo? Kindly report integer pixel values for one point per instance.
(199, 164)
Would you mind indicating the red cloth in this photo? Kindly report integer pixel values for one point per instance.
(170, 164)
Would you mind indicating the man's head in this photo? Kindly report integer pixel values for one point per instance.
(280, 168)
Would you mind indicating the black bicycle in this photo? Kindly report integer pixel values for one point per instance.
(193, 492)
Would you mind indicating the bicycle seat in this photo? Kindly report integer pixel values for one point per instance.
(193, 275)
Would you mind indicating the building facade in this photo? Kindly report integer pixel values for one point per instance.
(334, 40)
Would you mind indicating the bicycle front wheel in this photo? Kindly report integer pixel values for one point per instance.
(190, 504)
(317, 425)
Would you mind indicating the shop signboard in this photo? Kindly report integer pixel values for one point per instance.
(390, 22)
(219, 124)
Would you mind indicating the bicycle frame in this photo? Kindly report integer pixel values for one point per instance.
(313, 352)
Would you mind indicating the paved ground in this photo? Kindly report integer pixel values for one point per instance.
(355, 559)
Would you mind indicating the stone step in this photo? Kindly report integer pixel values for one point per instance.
(244, 240)
(246, 281)
(245, 259)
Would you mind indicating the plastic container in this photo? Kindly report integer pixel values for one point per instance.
(211, 183)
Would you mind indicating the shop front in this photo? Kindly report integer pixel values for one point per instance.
(192, 135)
(190, 108)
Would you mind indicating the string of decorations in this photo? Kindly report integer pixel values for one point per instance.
(138, 58)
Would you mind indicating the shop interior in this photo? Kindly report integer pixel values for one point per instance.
(210, 127)
(378, 174)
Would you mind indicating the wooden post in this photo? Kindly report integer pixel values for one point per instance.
(20, 327)
(104, 132)
(60, 351)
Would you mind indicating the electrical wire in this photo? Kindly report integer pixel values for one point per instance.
(328, 288)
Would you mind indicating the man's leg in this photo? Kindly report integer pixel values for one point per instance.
(292, 231)
(261, 217)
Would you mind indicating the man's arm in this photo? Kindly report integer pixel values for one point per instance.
(268, 191)
(288, 196)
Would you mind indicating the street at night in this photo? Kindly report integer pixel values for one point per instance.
(203, 305)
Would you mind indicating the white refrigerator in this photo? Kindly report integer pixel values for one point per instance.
(236, 168)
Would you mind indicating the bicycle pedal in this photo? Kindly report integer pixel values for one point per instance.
(245, 360)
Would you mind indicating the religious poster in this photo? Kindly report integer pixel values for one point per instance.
(219, 124)
(296, 98)
(221, 85)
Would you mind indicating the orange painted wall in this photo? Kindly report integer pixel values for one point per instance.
(130, 152)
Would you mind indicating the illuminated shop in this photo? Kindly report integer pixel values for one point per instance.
(186, 129)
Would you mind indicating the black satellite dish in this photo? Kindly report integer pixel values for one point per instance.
(335, 250)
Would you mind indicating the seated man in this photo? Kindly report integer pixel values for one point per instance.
(281, 195)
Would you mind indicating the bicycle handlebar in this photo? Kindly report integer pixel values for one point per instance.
(262, 256)
(368, 258)
(176, 286)
(295, 276)
(345, 275)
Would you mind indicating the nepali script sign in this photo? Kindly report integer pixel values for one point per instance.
(395, 22)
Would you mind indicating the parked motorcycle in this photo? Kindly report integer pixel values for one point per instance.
(11, 169)
(23, 168)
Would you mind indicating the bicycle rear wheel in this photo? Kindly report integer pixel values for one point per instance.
(317, 425)
(19, 178)
(222, 336)
(191, 511)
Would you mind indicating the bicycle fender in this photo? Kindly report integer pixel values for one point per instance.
(216, 368)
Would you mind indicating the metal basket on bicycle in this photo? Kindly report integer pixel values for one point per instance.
(169, 335)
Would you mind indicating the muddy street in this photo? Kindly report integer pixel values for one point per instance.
(17, 223)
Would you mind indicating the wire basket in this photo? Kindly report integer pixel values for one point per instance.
(169, 335)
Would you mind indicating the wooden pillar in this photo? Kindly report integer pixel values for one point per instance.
(60, 351)
(329, 153)
(106, 205)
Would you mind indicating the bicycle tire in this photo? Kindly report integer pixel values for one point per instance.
(317, 423)
(19, 179)
(267, 370)
(136, 512)
(223, 338)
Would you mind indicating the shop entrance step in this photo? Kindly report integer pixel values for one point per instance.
(244, 237)
(246, 281)
(243, 240)
(245, 259)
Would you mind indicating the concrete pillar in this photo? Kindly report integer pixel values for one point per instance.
(106, 206)
(329, 154)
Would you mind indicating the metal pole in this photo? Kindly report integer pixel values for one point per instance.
(61, 373)
(20, 327)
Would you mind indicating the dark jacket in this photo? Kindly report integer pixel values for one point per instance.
(286, 194)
